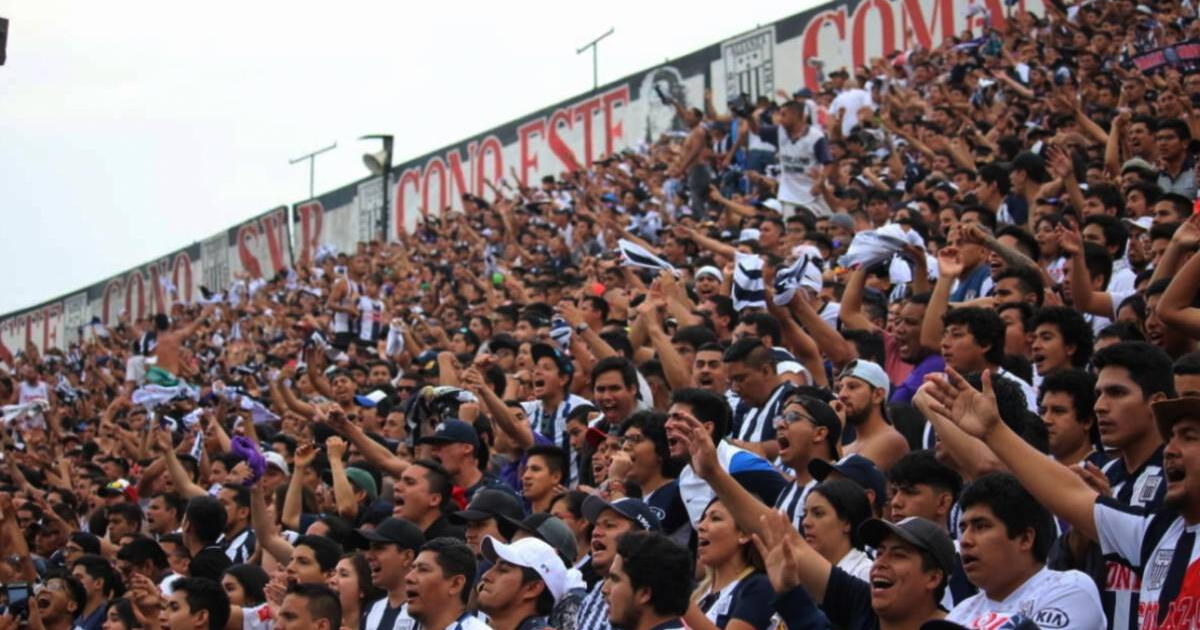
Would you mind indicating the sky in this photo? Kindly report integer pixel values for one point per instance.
(130, 129)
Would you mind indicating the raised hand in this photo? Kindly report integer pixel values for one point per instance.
(1188, 234)
(779, 546)
(953, 398)
(1070, 240)
(950, 263)
(305, 454)
(335, 447)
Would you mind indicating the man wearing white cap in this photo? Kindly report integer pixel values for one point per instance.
(277, 472)
(526, 579)
(708, 281)
(862, 390)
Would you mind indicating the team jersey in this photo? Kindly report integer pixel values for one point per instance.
(753, 472)
(1161, 548)
(667, 505)
(747, 598)
(791, 502)
(1142, 489)
(758, 424)
(554, 426)
(1054, 600)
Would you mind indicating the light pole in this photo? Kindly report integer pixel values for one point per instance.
(312, 158)
(380, 163)
(592, 45)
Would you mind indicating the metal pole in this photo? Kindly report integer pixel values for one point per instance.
(312, 159)
(595, 62)
(387, 170)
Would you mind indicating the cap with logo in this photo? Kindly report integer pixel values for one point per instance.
(916, 531)
(633, 509)
(854, 467)
(452, 432)
(540, 350)
(530, 553)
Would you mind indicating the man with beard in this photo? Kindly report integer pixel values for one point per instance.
(863, 392)
(440, 584)
(456, 446)
(643, 588)
(394, 544)
(526, 578)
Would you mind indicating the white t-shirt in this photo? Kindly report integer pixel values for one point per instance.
(851, 100)
(857, 563)
(1054, 600)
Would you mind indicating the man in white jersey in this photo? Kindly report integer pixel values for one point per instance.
(552, 373)
(394, 544)
(1160, 544)
(803, 150)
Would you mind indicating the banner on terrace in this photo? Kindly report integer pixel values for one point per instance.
(794, 52)
(256, 247)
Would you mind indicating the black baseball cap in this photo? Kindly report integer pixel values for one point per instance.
(822, 416)
(633, 509)
(452, 432)
(503, 506)
(916, 531)
(400, 531)
(540, 350)
(856, 468)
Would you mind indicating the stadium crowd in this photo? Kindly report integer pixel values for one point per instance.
(914, 350)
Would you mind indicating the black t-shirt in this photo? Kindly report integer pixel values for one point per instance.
(210, 562)
(442, 527)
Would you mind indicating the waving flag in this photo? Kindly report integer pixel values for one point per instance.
(749, 290)
(635, 255)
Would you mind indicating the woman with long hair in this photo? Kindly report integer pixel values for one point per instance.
(833, 512)
(735, 593)
(120, 616)
(351, 580)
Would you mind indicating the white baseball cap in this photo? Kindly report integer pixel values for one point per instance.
(276, 460)
(870, 372)
(531, 553)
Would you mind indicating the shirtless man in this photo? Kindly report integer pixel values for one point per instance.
(169, 349)
(863, 391)
(693, 159)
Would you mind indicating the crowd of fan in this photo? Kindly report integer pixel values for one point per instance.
(912, 351)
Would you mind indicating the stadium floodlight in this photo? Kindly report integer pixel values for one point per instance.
(380, 163)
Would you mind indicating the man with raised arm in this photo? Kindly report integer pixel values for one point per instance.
(1160, 545)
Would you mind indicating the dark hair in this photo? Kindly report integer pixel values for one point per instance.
(1013, 506)
(653, 425)
(439, 480)
(124, 609)
(1014, 411)
(86, 541)
(751, 351)
(172, 501)
(1109, 196)
(545, 601)
(206, 516)
(127, 511)
(324, 549)
(620, 364)
(1187, 364)
(1122, 331)
(723, 306)
(1030, 281)
(1025, 241)
(207, 595)
(367, 591)
(707, 407)
(1078, 384)
(1179, 127)
(600, 304)
(99, 568)
(455, 558)
(143, 549)
(1075, 330)
(849, 501)
(923, 468)
(323, 602)
(1148, 366)
(765, 325)
(1115, 232)
(984, 325)
(1098, 261)
(694, 336)
(555, 457)
(653, 561)
(253, 580)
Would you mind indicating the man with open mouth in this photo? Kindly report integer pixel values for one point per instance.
(609, 521)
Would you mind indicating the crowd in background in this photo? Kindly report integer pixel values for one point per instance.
(912, 349)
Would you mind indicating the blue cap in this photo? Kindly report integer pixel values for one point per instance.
(632, 509)
(541, 349)
(856, 468)
(452, 432)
